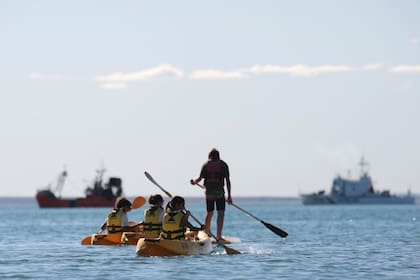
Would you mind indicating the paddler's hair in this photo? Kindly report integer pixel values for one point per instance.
(122, 202)
(174, 201)
(214, 154)
(155, 199)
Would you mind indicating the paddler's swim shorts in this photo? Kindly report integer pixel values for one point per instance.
(219, 201)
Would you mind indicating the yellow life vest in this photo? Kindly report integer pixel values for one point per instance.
(113, 222)
(151, 219)
(172, 227)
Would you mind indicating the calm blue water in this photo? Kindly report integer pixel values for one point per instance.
(325, 242)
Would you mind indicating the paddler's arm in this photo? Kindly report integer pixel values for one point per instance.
(125, 225)
(228, 187)
(226, 175)
(194, 182)
(193, 228)
(202, 175)
(187, 224)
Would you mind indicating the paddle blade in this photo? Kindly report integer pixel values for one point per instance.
(138, 202)
(275, 229)
(231, 251)
(87, 240)
(154, 182)
(150, 178)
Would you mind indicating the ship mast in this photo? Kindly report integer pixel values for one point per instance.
(60, 182)
(98, 181)
(362, 164)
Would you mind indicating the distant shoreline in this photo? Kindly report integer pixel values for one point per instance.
(191, 197)
(31, 201)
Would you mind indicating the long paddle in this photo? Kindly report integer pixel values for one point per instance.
(138, 202)
(274, 229)
(229, 251)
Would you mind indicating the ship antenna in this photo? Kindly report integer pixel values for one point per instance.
(362, 164)
(60, 182)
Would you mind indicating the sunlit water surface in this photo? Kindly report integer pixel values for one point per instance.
(324, 242)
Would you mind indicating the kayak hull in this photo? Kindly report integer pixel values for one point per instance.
(113, 239)
(162, 247)
(131, 238)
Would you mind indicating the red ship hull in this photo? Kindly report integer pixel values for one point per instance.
(47, 199)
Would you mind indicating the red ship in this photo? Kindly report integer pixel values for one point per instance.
(100, 195)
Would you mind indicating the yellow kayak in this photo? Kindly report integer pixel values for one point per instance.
(131, 238)
(119, 238)
(112, 239)
(199, 244)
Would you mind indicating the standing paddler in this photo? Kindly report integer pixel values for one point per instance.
(215, 172)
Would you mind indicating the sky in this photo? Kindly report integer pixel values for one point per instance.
(291, 93)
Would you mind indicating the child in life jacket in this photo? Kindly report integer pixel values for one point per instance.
(117, 219)
(153, 216)
(175, 220)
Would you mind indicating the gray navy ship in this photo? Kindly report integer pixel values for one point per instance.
(361, 191)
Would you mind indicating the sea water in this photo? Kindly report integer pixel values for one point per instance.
(324, 242)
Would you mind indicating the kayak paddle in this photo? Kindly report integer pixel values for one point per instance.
(229, 251)
(274, 229)
(138, 202)
(271, 227)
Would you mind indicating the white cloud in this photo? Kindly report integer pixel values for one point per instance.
(114, 86)
(298, 69)
(118, 80)
(216, 74)
(46, 77)
(405, 69)
(161, 70)
(294, 70)
(372, 67)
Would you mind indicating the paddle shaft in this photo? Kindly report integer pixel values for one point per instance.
(271, 227)
(246, 212)
(228, 249)
(170, 195)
